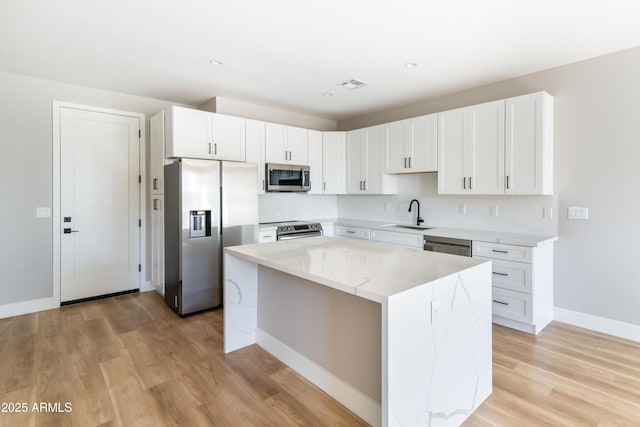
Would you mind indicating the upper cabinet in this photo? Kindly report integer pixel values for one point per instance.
(286, 144)
(529, 144)
(255, 136)
(365, 165)
(501, 147)
(200, 134)
(334, 167)
(411, 145)
(471, 149)
(315, 161)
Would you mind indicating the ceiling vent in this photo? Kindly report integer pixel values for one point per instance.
(353, 84)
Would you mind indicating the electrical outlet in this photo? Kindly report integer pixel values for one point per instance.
(576, 212)
(462, 209)
(493, 210)
(547, 212)
(435, 311)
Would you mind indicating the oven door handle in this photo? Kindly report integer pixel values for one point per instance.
(299, 236)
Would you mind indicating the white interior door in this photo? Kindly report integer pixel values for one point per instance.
(100, 203)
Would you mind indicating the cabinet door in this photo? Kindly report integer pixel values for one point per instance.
(255, 140)
(334, 162)
(275, 143)
(297, 145)
(396, 158)
(355, 144)
(451, 142)
(529, 144)
(422, 143)
(315, 161)
(485, 154)
(228, 138)
(372, 160)
(191, 134)
(156, 153)
(157, 242)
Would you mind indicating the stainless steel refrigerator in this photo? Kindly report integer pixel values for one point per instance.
(208, 205)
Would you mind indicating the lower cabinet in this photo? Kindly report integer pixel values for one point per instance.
(352, 232)
(522, 278)
(269, 235)
(403, 239)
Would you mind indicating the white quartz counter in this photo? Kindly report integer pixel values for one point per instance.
(519, 239)
(374, 271)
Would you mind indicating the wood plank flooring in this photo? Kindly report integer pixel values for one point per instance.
(130, 361)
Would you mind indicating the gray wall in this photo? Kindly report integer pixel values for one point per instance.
(26, 176)
(596, 158)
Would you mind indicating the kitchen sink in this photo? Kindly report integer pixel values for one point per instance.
(409, 226)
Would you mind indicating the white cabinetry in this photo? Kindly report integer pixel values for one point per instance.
(364, 163)
(411, 145)
(398, 238)
(334, 168)
(529, 144)
(203, 135)
(255, 136)
(471, 149)
(265, 236)
(315, 161)
(286, 144)
(522, 284)
(352, 232)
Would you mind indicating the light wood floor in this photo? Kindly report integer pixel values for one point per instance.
(130, 361)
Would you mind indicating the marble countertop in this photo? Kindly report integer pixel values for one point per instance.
(371, 270)
(519, 239)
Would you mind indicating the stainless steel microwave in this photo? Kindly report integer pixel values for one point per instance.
(281, 177)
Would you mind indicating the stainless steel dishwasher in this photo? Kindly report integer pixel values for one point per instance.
(448, 245)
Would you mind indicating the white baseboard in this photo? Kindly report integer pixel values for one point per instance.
(599, 324)
(26, 307)
(354, 400)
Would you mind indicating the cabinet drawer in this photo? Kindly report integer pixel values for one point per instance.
(266, 236)
(512, 305)
(500, 251)
(404, 239)
(353, 232)
(515, 276)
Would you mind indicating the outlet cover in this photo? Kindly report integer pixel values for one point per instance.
(462, 209)
(577, 212)
(547, 212)
(493, 210)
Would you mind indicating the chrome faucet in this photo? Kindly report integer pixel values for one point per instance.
(418, 219)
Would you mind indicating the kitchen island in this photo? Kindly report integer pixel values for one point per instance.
(400, 336)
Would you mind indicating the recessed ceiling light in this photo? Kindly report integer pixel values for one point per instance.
(410, 65)
(327, 94)
(353, 84)
(215, 62)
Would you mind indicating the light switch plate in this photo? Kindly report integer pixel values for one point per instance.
(577, 212)
(43, 212)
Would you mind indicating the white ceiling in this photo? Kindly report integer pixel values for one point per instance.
(287, 53)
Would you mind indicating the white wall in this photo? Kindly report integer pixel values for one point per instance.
(596, 157)
(296, 206)
(26, 176)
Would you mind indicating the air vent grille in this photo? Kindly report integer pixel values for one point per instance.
(353, 84)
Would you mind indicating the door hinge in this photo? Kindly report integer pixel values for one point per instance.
(139, 179)
(139, 133)
(139, 267)
(139, 223)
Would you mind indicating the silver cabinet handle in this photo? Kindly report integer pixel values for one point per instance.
(364, 185)
(470, 183)
(324, 186)
(286, 156)
(499, 251)
(156, 204)
(409, 162)
(405, 162)
(209, 148)
(263, 184)
(464, 182)
(351, 232)
(156, 183)
(215, 148)
(500, 302)
(69, 231)
(500, 274)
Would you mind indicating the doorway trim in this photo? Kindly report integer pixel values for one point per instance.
(57, 106)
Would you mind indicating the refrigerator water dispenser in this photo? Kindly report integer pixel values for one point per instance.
(200, 224)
